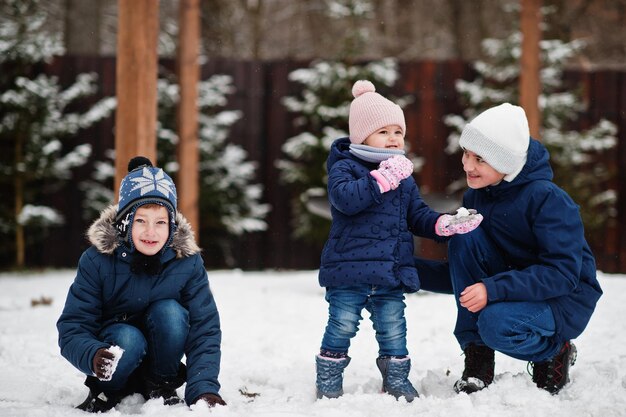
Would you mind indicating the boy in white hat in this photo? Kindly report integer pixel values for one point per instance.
(525, 281)
(367, 261)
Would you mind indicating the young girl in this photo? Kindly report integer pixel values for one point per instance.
(367, 261)
(141, 300)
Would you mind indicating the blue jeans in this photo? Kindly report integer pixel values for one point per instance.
(521, 329)
(159, 339)
(386, 308)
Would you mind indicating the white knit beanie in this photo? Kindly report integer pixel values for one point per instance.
(369, 111)
(500, 136)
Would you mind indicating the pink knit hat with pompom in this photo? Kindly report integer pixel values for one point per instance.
(370, 111)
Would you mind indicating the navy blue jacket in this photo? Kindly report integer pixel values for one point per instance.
(371, 236)
(106, 291)
(540, 233)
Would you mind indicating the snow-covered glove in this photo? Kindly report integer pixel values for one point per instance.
(391, 171)
(211, 399)
(105, 362)
(464, 221)
(102, 362)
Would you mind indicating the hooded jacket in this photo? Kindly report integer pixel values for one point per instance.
(371, 236)
(107, 291)
(540, 234)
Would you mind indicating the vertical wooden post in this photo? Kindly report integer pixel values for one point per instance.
(188, 76)
(530, 81)
(136, 80)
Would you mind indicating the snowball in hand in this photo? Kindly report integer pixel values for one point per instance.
(111, 364)
(462, 212)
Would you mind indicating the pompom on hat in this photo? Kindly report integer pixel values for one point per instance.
(369, 111)
(500, 136)
(144, 184)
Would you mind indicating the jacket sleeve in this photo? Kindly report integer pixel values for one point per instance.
(203, 343)
(558, 232)
(421, 218)
(80, 320)
(351, 194)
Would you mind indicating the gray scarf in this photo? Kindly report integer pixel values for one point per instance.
(372, 154)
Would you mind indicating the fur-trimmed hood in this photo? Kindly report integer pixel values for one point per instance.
(103, 235)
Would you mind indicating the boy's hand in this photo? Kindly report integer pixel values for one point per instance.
(474, 297)
(391, 171)
(211, 399)
(102, 361)
(464, 221)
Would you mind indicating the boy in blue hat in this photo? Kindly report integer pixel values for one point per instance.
(141, 300)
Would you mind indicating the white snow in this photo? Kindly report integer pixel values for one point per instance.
(272, 325)
(462, 212)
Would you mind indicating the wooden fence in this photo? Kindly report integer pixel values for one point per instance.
(266, 124)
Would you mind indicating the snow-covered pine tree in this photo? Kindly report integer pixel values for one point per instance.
(230, 200)
(322, 107)
(36, 126)
(576, 155)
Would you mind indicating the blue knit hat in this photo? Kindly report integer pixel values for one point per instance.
(144, 184)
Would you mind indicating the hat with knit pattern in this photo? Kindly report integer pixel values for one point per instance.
(369, 111)
(500, 136)
(144, 184)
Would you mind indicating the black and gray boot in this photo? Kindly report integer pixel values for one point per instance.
(160, 387)
(552, 375)
(479, 369)
(99, 402)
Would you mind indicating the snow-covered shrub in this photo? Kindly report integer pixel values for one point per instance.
(322, 107)
(37, 126)
(230, 201)
(576, 154)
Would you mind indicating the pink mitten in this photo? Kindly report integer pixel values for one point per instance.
(391, 171)
(464, 221)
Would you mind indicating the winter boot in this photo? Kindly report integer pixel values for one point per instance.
(159, 387)
(329, 381)
(552, 375)
(395, 374)
(479, 369)
(98, 402)
(167, 392)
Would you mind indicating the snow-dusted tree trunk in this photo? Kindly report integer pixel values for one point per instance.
(189, 74)
(20, 244)
(136, 78)
(530, 62)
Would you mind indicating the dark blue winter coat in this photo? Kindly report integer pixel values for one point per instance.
(540, 233)
(371, 236)
(106, 291)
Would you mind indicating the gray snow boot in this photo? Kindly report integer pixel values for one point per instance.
(395, 374)
(329, 382)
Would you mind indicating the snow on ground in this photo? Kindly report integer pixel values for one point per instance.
(272, 324)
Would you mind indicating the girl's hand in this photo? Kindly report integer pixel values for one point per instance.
(464, 221)
(391, 171)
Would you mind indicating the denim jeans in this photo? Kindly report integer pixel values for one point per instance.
(386, 308)
(159, 339)
(521, 329)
